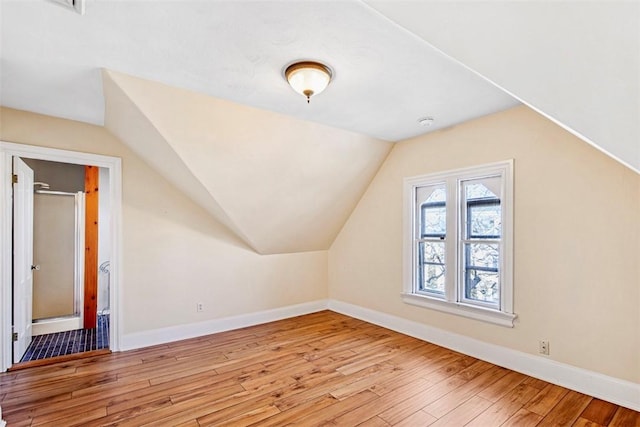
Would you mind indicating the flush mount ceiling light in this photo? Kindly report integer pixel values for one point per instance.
(308, 78)
(77, 5)
(426, 121)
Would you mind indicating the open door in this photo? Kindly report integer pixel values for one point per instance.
(22, 257)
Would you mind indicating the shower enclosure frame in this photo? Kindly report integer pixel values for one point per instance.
(56, 324)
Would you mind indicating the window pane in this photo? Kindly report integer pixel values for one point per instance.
(431, 211)
(475, 190)
(434, 220)
(483, 210)
(485, 219)
(481, 272)
(483, 286)
(482, 255)
(431, 267)
(438, 195)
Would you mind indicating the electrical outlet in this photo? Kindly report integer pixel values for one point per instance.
(543, 347)
(199, 307)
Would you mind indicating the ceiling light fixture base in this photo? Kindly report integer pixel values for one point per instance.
(308, 78)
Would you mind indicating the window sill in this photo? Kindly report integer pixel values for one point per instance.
(477, 313)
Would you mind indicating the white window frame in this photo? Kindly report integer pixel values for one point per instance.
(453, 301)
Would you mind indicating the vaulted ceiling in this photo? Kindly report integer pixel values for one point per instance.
(196, 88)
(576, 62)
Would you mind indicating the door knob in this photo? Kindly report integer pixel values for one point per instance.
(35, 267)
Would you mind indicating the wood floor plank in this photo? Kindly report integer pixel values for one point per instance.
(385, 372)
(216, 402)
(220, 415)
(302, 392)
(625, 417)
(433, 370)
(70, 419)
(583, 422)
(319, 369)
(523, 418)
(247, 418)
(503, 386)
(418, 401)
(548, 397)
(505, 407)
(463, 413)
(420, 418)
(29, 379)
(26, 405)
(205, 383)
(567, 411)
(535, 382)
(99, 397)
(297, 412)
(325, 415)
(451, 400)
(599, 411)
(18, 423)
(375, 422)
(383, 403)
(452, 365)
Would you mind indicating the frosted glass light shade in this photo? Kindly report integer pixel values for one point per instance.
(308, 78)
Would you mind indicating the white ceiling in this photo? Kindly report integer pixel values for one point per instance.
(576, 62)
(385, 78)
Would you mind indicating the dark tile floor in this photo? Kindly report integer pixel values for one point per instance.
(69, 342)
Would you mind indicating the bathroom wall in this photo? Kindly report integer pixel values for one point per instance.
(59, 176)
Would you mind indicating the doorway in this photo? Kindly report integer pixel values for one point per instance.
(107, 267)
(58, 246)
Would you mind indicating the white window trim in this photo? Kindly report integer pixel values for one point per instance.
(504, 316)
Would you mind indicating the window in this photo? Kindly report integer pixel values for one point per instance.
(458, 242)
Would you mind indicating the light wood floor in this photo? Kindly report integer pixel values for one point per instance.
(319, 369)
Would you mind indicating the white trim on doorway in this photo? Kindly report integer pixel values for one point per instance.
(114, 165)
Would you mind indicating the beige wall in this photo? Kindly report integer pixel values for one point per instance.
(175, 255)
(577, 241)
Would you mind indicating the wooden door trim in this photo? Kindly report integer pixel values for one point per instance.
(91, 190)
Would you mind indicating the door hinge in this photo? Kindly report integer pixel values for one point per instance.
(14, 336)
(14, 178)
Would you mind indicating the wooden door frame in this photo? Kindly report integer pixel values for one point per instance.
(114, 165)
(91, 231)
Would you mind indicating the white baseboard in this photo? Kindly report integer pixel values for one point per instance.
(620, 392)
(57, 325)
(192, 330)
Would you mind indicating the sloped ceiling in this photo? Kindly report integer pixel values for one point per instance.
(576, 62)
(281, 184)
